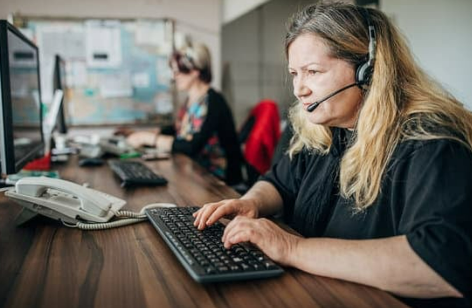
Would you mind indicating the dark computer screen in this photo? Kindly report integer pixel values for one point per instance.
(21, 138)
(60, 83)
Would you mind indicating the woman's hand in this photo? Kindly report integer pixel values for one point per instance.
(165, 142)
(142, 138)
(123, 131)
(276, 243)
(212, 212)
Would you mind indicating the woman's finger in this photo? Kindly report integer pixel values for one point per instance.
(207, 211)
(198, 214)
(220, 212)
(233, 226)
(238, 236)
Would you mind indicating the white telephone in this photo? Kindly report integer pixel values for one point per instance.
(73, 204)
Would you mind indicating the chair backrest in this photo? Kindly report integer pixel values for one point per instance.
(260, 134)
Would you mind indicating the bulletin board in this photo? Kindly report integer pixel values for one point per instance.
(117, 70)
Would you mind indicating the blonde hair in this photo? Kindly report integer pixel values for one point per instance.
(195, 56)
(402, 102)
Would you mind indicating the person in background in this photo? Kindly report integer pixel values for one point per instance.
(378, 176)
(204, 129)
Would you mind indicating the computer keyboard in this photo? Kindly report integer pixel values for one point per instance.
(135, 173)
(202, 253)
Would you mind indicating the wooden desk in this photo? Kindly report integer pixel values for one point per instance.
(44, 264)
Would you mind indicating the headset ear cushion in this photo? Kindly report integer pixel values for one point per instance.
(363, 73)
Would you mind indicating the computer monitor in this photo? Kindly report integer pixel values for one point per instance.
(21, 138)
(59, 83)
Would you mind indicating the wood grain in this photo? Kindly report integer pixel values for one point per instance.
(44, 264)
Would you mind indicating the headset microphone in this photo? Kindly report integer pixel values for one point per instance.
(313, 106)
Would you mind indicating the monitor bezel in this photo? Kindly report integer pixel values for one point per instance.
(59, 83)
(7, 157)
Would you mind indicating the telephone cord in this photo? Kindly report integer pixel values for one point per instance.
(125, 218)
(129, 214)
(104, 225)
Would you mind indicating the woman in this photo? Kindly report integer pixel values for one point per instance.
(205, 127)
(378, 173)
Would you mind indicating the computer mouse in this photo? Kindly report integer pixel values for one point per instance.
(89, 162)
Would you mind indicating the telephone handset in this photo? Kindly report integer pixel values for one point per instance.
(60, 199)
(73, 204)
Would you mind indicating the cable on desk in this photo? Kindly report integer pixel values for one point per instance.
(104, 225)
(125, 218)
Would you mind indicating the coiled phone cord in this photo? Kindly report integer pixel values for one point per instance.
(126, 218)
(104, 225)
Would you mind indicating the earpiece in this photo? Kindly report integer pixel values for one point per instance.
(365, 69)
(184, 62)
(363, 73)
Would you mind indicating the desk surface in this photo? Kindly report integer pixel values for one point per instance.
(44, 264)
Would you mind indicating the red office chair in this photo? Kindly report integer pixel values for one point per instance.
(259, 136)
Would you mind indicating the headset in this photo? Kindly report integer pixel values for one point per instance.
(364, 70)
(184, 61)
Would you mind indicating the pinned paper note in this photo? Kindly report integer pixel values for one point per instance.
(103, 45)
(141, 80)
(116, 85)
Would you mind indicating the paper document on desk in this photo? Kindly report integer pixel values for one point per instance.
(155, 154)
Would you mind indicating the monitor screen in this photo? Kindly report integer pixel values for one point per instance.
(20, 132)
(60, 83)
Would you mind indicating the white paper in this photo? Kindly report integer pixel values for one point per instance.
(116, 85)
(163, 71)
(78, 73)
(148, 33)
(141, 80)
(64, 39)
(155, 35)
(103, 45)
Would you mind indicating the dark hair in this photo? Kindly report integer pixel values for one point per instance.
(194, 58)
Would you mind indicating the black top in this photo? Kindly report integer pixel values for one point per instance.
(426, 194)
(218, 119)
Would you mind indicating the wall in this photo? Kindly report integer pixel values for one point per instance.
(254, 65)
(440, 36)
(201, 19)
(233, 9)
